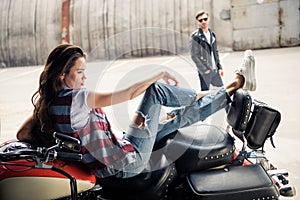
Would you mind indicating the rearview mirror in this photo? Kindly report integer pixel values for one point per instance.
(67, 142)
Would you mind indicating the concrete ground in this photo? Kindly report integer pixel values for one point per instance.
(277, 72)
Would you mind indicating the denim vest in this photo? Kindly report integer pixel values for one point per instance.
(103, 152)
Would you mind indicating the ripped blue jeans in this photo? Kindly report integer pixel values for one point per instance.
(187, 112)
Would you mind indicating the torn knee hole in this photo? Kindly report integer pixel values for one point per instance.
(139, 125)
(139, 121)
(171, 116)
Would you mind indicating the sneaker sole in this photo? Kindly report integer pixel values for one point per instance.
(251, 84)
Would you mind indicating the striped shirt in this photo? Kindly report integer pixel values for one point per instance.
(103, 152)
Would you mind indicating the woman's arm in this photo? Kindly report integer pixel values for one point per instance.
(24, 131)
(96, 99)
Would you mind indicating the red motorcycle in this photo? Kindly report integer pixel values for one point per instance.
(199, 162)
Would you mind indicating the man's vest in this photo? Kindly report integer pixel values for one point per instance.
(103, 152)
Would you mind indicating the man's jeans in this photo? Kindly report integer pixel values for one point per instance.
(187, 112)
(212, 77)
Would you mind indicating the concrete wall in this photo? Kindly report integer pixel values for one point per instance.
(221, 24)
(265, 23)
(289, 22)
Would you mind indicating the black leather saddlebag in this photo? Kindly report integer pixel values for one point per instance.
(263, 123)
(239, 110)
(256, 120)
(234, 183)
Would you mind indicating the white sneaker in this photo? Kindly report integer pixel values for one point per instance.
(247, 70)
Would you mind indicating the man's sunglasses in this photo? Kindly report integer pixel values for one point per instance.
(201, 20)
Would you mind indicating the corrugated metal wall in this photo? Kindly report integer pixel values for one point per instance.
(114, 28)
(28, 30)
(110, 29)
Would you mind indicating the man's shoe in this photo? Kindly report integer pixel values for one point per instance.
(247, 70)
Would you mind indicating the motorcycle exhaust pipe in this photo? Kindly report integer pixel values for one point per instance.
(285, 190)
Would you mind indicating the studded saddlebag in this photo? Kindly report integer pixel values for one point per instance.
(263, 123)
(239, 110)
(233, 183)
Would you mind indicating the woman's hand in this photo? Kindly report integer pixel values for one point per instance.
(221, 72)
(169, 79)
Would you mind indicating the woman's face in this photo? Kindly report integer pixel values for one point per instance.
(75, 79)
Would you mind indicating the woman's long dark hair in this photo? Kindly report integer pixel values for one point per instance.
(60, 61)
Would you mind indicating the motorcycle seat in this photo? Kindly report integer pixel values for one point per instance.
(199, 147)
(148, 185)
(189, 149)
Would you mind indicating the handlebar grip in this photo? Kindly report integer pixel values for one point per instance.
(69, 156)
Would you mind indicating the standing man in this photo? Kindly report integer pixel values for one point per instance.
(204, 53)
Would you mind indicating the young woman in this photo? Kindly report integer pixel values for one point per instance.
(62, 104)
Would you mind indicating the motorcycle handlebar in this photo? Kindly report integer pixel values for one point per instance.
(27, 154)
(15, 155)
(69, 156)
